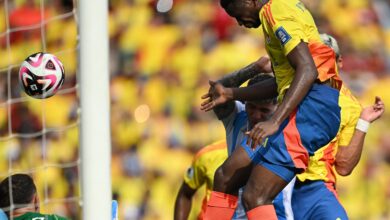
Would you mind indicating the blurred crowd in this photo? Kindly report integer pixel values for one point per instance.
(160, 64)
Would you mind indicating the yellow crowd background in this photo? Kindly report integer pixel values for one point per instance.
(160, 64)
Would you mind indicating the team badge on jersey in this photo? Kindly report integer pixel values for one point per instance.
(282, 35)
(190, 173)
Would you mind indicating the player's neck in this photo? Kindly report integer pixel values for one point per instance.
(24, 210)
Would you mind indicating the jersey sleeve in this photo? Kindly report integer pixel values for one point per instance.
(286, 27)
(347, 132)
(195, 176)
(351, 112)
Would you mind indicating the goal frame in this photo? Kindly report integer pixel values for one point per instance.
(95, 141)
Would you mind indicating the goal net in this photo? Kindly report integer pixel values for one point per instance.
(40, 137)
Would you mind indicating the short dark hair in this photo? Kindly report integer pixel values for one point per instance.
(259, 78)
(225, 3)
(23, 191)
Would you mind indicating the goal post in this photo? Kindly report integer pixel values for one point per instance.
(95, 143)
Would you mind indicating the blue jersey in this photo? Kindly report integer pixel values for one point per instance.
(236, 124)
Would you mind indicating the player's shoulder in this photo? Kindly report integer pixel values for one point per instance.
(350, 107)
(239, 107)
(284, 8)
(216, 147)
(347, 99)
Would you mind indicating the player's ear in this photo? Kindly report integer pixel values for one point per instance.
(340, 62)
(35, 202)
(257, 3)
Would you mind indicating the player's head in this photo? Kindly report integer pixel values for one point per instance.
(246, 12)
(260, 110)
(24, 192)
(332, 43)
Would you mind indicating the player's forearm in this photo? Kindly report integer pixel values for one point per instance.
(182, 207)
(265, 89)
(183, 202)
(348, 157)
(300, 86)
(305, 75)
(238, 77)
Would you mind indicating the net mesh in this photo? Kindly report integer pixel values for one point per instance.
(40, 137)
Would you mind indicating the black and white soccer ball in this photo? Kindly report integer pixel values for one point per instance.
(41, 75)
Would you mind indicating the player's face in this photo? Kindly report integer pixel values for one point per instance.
(339, 62)
(258, 112)
(245, 14)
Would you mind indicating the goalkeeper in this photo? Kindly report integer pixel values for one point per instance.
(25, 200)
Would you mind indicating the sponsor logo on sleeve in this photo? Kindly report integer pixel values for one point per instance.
(282, 35)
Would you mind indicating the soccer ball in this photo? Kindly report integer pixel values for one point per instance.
(41, 75)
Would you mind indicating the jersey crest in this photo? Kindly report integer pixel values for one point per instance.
(282, 35)
(190, 173)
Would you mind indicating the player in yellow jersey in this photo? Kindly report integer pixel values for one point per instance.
(201, 172)
(314, 195)
(308, 115)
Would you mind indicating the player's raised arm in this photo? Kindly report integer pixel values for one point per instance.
(183, 202)
(218, 97)
(348, 157)
(265, 89)
(305, 75)
(237, 78)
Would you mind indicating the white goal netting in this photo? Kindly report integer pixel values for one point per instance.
(40, 137)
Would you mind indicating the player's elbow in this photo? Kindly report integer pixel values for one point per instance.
(343, 170)
(311, 72)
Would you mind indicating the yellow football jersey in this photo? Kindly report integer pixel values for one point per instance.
(285, 24)
(321, 163)
(203, 167)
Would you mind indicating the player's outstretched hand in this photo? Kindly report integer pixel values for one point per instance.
(217, 95)
(260, 131)
(373, 112)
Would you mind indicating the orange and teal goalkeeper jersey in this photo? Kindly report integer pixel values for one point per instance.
(203, 167)
(285, 24)
(321, 164)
